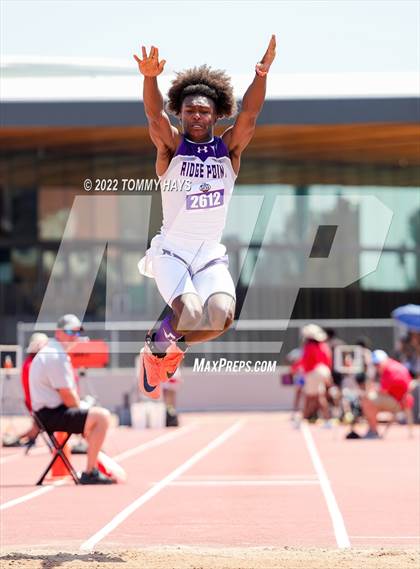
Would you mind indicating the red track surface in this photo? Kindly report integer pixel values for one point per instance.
(258, 487)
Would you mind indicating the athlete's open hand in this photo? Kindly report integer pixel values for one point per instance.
(268, 57)
(149, 66)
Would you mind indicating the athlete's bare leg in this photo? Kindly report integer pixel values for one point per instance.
(198, 324)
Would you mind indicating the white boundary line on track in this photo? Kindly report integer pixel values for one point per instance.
(245, 483)
(340, 530)
(31, 495)
(89, 544)
(251, 477)
(122, 456)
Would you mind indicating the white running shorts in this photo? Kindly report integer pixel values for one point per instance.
(181, 266)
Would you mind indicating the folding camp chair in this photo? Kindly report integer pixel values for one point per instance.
(44, 437)
(58, 451)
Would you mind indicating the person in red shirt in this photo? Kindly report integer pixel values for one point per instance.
(36, 342)
(316, 364)
(393, 394)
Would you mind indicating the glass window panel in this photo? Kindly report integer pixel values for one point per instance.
(18, 212)
(49, 261)
(395, 271)
(241, 217)
(79, 264)
(6, 273)
(402, 201)
(24, 262)
(130, 272)
(54, 205)
(134, 214)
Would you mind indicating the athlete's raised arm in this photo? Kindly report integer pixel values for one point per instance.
(238, 136)
(164, 136)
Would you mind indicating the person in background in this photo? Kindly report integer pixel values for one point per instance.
(298, 381)
(170, 389)
(55, 400)
(408, 353)
(393, 394)
(354, 387)
(368, 372)
(334, 391)
(315, 363)
(36, 342)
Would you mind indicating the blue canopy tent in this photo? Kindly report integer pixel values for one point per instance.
(408, 315)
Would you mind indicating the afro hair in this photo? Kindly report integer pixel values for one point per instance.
(212, 83)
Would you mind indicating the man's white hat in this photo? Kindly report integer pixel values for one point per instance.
(36, 342)
(313, 332)
(69, 322)
(379, 356)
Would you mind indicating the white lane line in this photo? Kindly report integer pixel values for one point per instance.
(340, 531)
(208, 477)
(385, 536)
(89, 544)
(245, 483)
(31, 495)
(121, 457)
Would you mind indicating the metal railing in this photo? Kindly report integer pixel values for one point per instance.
(255, 339)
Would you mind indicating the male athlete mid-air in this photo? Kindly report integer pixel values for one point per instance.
(197, 172)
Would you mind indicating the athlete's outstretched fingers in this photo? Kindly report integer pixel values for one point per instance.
(137, 59)
(144, 52)
(162, 65)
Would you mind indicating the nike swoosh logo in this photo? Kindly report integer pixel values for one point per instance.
(149, 388)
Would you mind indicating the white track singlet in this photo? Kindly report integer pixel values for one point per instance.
(196, 190)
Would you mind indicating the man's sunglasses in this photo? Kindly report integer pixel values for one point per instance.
(72, 332)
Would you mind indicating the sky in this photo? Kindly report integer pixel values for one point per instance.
(312, 36)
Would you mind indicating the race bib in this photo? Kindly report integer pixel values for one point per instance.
(206, 200)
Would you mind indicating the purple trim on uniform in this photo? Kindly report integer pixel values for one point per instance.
(223, 260)
(171, 254)
(215, 149)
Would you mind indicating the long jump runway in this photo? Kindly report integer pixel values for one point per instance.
(224, 483)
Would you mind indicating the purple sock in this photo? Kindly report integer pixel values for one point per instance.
(165, 335)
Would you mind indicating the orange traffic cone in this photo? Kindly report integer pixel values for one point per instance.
(59, 470)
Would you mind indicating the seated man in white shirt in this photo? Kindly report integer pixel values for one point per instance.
(55, 399)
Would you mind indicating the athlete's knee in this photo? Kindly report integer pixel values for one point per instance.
(189, 312)
(220, 312)
(229, 319)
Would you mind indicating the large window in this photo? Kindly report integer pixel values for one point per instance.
(284, 217)
(398, 267)
(275, 209)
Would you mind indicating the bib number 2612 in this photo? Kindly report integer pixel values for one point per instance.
(205, 200)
